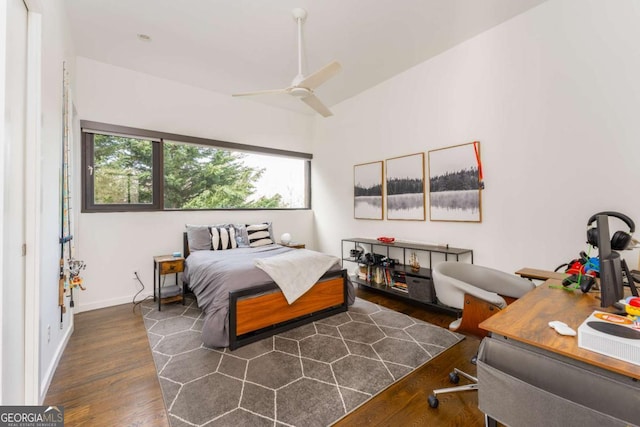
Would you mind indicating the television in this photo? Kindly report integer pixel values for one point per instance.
(611, 285)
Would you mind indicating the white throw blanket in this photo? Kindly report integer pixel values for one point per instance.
(296, 271)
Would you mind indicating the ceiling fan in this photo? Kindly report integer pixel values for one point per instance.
(301, 86)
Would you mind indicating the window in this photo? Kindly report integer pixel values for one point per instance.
(128, 169)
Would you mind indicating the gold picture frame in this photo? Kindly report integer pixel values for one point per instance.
(455, 183)
(368, 202)
(404, 187)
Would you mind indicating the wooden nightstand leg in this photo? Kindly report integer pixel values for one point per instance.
(159, 291)
(155, 266)
(180, 287)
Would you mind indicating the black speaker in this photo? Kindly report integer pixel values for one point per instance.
(620, 240)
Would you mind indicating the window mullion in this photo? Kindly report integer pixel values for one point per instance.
(158, 175)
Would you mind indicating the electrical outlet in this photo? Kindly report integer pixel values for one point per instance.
(48, 333)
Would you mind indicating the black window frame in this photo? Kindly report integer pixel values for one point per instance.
(90, 128)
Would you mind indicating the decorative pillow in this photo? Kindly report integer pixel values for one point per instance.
(198, 237)
(223, 238)
(241, 235)
(259, 234)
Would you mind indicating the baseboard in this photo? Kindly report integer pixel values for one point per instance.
(44, 387)
(110, 303)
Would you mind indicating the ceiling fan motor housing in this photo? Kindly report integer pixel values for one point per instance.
(300, 92)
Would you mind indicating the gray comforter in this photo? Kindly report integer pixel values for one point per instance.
(211, 275)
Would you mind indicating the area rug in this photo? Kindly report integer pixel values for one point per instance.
(310, 376)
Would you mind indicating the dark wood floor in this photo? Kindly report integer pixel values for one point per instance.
(107, 377)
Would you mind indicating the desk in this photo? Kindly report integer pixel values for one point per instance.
(534, 273)
(527, 320)
(544, 372)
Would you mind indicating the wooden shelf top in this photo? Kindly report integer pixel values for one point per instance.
(166, 258)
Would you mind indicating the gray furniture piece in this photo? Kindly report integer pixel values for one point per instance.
(523, 385)
(480, 292)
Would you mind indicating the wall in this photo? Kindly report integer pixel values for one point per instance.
(57, 47)
(552, 97)
(115, 244)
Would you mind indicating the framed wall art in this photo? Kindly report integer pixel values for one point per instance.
(405, 187)
(367, 191)
(455, 183)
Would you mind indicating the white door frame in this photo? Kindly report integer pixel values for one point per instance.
(3, 79)
(33, 189)
(31, 375)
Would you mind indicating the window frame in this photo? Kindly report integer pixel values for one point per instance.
(90, 128)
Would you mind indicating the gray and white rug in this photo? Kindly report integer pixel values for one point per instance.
(310, 376)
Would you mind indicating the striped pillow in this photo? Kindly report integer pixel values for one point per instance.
(259, 234)
(223, 238)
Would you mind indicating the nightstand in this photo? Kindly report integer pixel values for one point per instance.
(293, 245)
(167, 264)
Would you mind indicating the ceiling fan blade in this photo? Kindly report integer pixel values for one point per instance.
(313, 102)
(263, 92)
(322, 75)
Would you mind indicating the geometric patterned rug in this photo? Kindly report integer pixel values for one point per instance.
(310, 376)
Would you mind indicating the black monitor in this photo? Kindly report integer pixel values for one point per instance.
(611, 286)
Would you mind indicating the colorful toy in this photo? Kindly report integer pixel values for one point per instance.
(632, 306)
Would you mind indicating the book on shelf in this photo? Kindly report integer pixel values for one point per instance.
(400, 287)
(400, 276)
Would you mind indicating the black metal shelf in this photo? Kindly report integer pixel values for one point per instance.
(389, 290)
(446, 250)
(420, 286)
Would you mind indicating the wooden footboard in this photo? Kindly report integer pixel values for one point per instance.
(262, 311)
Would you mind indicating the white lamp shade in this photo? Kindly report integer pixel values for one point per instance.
(285, 238)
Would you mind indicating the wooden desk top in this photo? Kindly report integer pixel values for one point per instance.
(534, 273)
(527, 320)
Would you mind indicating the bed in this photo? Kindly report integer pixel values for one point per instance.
(242, 303)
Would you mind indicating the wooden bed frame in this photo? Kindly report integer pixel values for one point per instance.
(261, 311)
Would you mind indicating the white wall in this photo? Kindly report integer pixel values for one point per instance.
(115, 244)
(552, 95)
(57, 47)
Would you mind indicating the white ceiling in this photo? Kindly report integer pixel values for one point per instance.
(230, 46)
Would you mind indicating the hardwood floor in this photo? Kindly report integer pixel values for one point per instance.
(107, 377)
(405, 402)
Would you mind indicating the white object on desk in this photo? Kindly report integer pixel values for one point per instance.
(611, 335)
(562, 328)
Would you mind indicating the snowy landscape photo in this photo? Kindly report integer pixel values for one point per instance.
(405, 187)
(454, 184)
(367, 191)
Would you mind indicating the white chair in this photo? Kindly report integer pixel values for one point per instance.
(479, 292)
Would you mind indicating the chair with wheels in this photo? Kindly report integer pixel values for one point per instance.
(479, 292)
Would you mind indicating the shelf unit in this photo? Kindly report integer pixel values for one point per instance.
(419, 283)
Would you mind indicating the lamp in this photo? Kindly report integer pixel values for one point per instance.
(285, 238)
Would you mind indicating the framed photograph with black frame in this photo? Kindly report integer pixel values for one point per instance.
(405, 187)
(367, 191)
(455, 183)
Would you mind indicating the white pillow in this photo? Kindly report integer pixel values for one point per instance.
(259, 234)
(223, 238)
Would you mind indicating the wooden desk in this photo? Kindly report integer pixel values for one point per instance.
(534, 273)
(527, 319)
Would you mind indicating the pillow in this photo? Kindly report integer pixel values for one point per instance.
(259, 234)
(223, 238)
(198, 237)
(241, 235)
